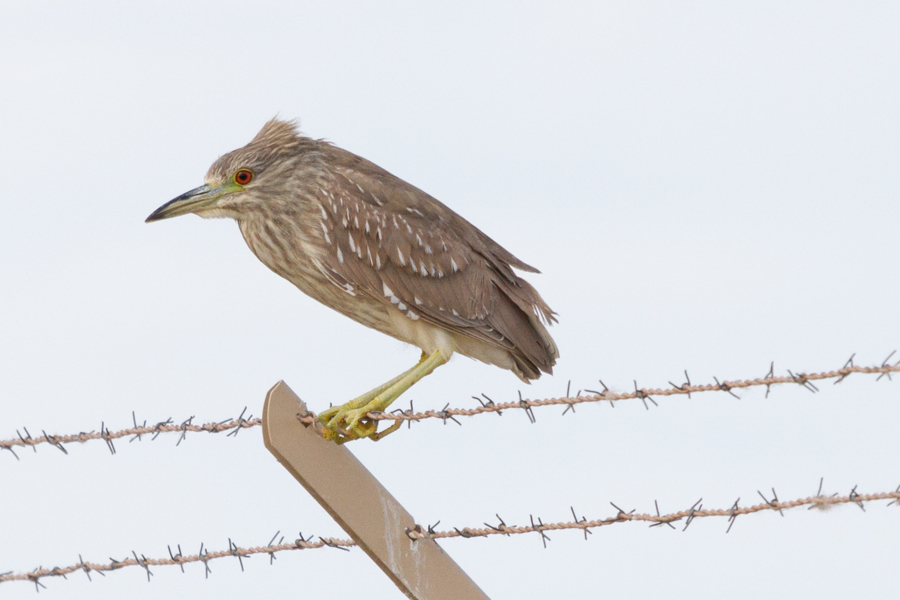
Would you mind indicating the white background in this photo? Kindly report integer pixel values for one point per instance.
(705, 187)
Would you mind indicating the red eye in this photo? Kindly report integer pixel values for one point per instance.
(243, 177)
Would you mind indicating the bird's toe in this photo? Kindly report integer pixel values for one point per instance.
(343, 423)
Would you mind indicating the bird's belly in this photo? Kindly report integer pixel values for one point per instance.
(375, 314)
(360, 308)
(426, 336)
(431, 338)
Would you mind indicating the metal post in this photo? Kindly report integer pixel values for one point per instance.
(360, 504)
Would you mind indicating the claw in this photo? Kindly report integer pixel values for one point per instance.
(379, 435)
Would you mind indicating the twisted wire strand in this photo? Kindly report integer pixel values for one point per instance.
(234, 425)
(175, 559)
(695, 512)
(819, 502)
(803, 379)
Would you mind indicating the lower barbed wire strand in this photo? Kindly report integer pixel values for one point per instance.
(178, 559)
(818, 501)
(821, 502)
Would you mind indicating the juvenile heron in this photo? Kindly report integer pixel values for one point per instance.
(380, 251)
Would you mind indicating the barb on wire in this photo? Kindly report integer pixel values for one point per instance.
(104, 435)
(732, 515)
(692, 512)
(539, 528)
(659, 523)
(773, 502)
(643, 396)
(234, 425)
(885, 365)
(584, 520)
(523, 404)
(686, 388)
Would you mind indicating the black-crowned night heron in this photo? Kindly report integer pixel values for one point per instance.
(380, 251)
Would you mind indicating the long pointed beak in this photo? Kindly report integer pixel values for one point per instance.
(198, 198)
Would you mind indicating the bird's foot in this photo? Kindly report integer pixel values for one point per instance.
(349, 422)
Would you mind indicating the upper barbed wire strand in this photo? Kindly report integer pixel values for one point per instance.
(235, 425)
(609, 396)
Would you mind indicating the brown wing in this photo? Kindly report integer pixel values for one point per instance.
(394, 242)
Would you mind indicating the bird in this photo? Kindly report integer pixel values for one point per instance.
(378, 250)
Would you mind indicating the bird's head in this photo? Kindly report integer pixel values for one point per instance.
(244, 179)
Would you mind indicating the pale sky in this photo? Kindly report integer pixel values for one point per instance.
(704, 187)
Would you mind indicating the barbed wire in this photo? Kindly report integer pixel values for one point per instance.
(231, 425)
(178, 558)
(486, 405)
(696, 511)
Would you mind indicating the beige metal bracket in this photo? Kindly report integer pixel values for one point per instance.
(360, 504)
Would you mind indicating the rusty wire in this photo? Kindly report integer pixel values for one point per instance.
(536, 525)
(644, 394)
(178, 558)
(695, 512)
(234, 425)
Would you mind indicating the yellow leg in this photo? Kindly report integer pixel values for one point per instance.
(348, 421)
